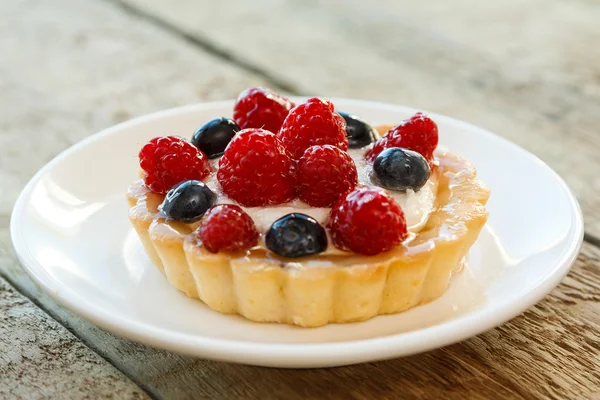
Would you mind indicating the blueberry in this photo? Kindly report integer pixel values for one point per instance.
(188, 201)
(296, 235)
(359, 132)
(214, 136)
(400, 169)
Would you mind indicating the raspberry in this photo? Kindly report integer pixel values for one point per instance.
(169, 160)
(379, 146)
(418, 133)
(324, 173)
(367, 221)
(255, 169)
(261, 108)
(227, 227)
(313, 123)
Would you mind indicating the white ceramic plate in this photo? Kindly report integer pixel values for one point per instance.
(71, 232)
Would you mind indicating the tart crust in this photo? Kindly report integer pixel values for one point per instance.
(330, 288)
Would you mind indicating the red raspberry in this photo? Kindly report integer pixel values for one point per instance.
(379, 146)
(367, 221)
(313, 123)
(227, 227)
(169, 160)
(325, 173)
(261, 108)
(418, 133)
(256, 170)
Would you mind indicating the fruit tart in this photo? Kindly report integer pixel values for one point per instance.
(301, 214)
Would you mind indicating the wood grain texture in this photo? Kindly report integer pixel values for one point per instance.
(40, 359)
(525, 70)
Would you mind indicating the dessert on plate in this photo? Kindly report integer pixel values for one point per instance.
(305, 215)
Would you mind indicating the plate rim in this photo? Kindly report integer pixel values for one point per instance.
(296, 355)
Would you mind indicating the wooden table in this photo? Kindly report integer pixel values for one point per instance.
(528, 70)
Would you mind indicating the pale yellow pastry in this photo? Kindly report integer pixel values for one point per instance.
(332, 287)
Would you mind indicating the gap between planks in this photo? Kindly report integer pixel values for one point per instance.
(205, 44)
(591, 239)
(65, 323)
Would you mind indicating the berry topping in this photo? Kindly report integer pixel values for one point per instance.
(313, 123)
(324, 173)
(358, 131)
(169, 160)
(226, 227)
(255, 169)
(400, 169)
(188, 201)
(367, 221)
(296, 235)
(261, 108)
(214, 136)
(418, 133)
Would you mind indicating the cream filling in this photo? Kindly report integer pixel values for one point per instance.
(416, 205)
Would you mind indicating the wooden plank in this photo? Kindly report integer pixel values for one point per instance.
(39, 358)
(525, 70)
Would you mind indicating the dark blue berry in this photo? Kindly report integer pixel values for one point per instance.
(358, 131)
(188, 201)
(296, 235)
(213, 137)
(400, 169)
